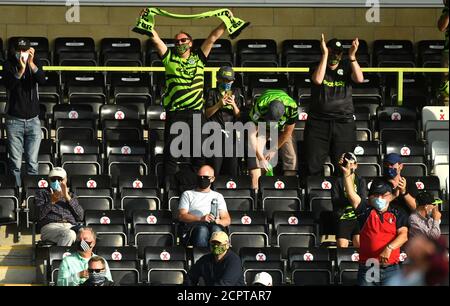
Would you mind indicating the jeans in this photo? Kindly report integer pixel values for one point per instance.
(200, 234)
(385, 273)
(24, 137)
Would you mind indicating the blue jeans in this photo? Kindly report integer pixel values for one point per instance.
(386, 274)
(24, 138)
(200, 234)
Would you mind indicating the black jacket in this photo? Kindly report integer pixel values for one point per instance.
(23, 100)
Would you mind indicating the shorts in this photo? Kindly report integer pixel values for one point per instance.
(346, 229)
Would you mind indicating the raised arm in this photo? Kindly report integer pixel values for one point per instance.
(213, 36)
(319, 73)
(443, 21)
(357, 75)
(160, 46)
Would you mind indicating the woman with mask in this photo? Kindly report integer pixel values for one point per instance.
(59, 210)
(202, 211)
(330, 128)
(223, 105)
(222, 267)
(425, 220)
(23, 127)
(383, 232)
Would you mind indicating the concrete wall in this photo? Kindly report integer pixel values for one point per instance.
(278, 23)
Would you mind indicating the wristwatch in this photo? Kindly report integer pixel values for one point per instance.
(390, 247)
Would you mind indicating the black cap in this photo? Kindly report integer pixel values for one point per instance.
(425, 198)
(226, 73)
(276, 111)
(335, 46)
(22, 44)
(380, 186)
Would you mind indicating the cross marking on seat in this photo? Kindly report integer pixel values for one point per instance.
(280, 185)
(78, 150)
(165, 256)
(396, 116)
(326, 185)
(261, 257)
(119, 115)
(293, 220)
(420, 185)
(308, 257)
(231, 185)
(441, 116)
(42, 184)
(406, 151)
(105, 220)
(117, 256)
(246, 220)
(125, 150)
(303, 116)
(403, 256)
(137, 184)
(91, 184)
(151, 219)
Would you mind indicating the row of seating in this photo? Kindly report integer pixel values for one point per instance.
(81, 51)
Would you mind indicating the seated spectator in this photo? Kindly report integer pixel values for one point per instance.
(202, 211)
(348, 191)
(383, 231)
(59, 210)
(263, 279)
(222, 267)
(97, 273)
(73, 270)
(426, 219)
(405, 190)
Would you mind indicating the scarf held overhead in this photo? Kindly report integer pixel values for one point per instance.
(146, 21)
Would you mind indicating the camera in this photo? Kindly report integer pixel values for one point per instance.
(348, 156)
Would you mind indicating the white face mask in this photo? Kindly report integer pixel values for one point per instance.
(23, 55)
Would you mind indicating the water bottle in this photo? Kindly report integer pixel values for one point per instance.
(269, 171)
(214, 207)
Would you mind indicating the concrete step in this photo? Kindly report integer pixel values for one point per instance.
(20, 285)
(17, 275)
(16, 255)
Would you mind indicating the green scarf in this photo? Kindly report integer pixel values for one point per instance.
(146, 21)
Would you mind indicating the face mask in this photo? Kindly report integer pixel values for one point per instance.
(203, 182)
(55, 186)
(390, 172)
(379, 204)
(24, 55)
(334, 59)
(225, 86)
(430, 213)
(97, 278)
(218, 249)
(82, 246)
(181, 49)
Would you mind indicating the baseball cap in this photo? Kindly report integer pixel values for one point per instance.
(58, 172)
(426, 198)
(263, 278)
(226, 73)
(392, 158)
(380, 186)
(335, 46)
(350, 156)
(220, 237)
(22, 44)
(276, 111)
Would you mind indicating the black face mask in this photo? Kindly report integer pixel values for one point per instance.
(203, 182)
(389, 172)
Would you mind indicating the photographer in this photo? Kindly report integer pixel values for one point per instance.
(348, 191)
(23, 128)
(202, 211)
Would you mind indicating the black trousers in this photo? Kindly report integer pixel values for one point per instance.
(170, 161)
(327, 137)
(225, 165)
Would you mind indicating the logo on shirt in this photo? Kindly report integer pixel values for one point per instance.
(340, 72)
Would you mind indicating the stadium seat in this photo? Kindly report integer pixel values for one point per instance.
(131, 89)
(52, 263)
(369, 92)
(412, 154)
(120, 52)
(268, 259)
(433, 113)
(310, 266)
(120, 122)
(362, 54)
(50, 93)
(123, 263)
(94, 191)
(152, 228)
(80, 156)
(429, 53)
(165, 265)
(86, 88)
(415, 91)
(222, 51)
(367, 153)
(256, 53)
(258, 83)
(42, 52)
(396, 122)
(429, 183)
(74, 122)
(109, 226)
(300, 53)
(75, 51)
(248, 229)
(9, 201)
(294, 229)
(237, 192)
(393, 53)
(347, 266)
(280, 193)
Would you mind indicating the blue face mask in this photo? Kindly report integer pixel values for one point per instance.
(390, 172)
(225, 86)
(56, 186)
(379, 203)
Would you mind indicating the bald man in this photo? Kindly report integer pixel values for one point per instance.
(202, 211)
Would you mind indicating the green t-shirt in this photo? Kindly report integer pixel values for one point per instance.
(261, 107)
(184, 81)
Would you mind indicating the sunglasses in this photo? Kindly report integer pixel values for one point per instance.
(95, 270)
(182, 40)
(53, 179)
